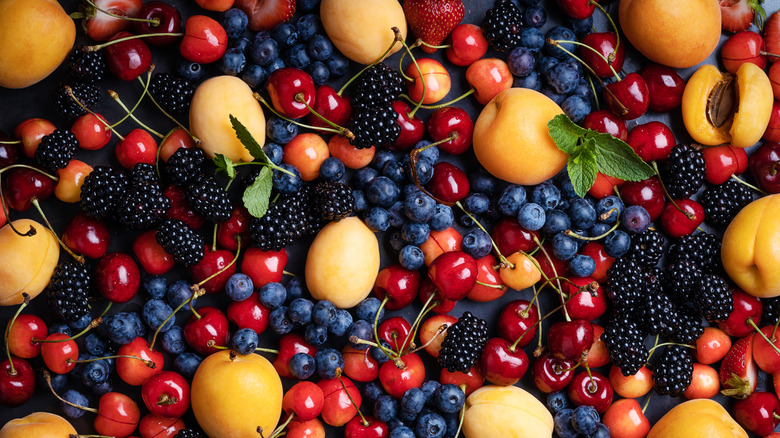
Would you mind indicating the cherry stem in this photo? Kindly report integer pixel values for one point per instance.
(419, 72)
(492, 242)
(773, 55)
(47, 378)
(278, 431)
(666, 344)
(747, 184)
(524, 313)
(162, 110)
(288, 273)
(37, 206)
(690, 216)
(775, 415)
(147, 362)
(593, 90)
(143, 94)
(760, 332)
(262, 100)
(413, 166)
(614, 28)
(416, 324)
(355, 340)
(25, 302)
(462, 387)
(538, 311)
(513, 347)
(389, 353)
(396, 39)
(154, 21)
(555, 273)
(267, 350)
(128, 38)
(115, 96)
(232, 262)
(195, 294)
(299, 97)
(357, 408)
(420, 42)
(92, 324)
(442, 328)
(492, 286)
(647, 401)
(10, 142)
(442, 105)
(607, 233)
(585, 46)
(592, 386)
(78, 102)
(774, 330)
(166, 399)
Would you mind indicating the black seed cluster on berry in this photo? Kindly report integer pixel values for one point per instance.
(626, 344)
(144, 205)
(68, 290)
(102, 190)
(182, 242)
(86, 92)
(56, 149)
(625, 283)
(185, 165)
(683, 171)
(462, 347)
(713, 298)
(647, 248)
(333, 200)
(208, 199)
(171, 92)
(681, 278)
(502, 26)
(673, 371)
(722, 202)
(283, 223)
(86, 66)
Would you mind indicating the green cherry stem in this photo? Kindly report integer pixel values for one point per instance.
(25, 302)
(420, 42)
(47, 378)
(647, 401)
(115, 96)
(78, 102)
(128, 38)
(12, 141)
(442, 328)
(748, 185)
(761, 333)
(690, 216)
(774, 330)
(262, 100)
(147, 362)
(154, 21)
(555, 273)
(442, 105)
(419, 72)
(357, 408)
(397, 37)
(279, 431)
(614, 29)
(341, 130)
(462, 415)
(143, 94)
(593, 91)
(389, 353)
(195, 294)
(492, 242)
(37, 205)
(607, 233)
(585, 46)
(163, 111)
(413, 333)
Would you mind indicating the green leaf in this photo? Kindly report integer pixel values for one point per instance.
(249, 142)
(616, 158)
(565, 133)
(582, 170)
(225, 165)
(257, 196)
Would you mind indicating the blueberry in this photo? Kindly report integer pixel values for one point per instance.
(430, 425)
(235, 22)
(442, 218)
(419, 207)
(531, 216)
(255, 75)
(244, 341)
(241, 44)
(102, 388)
(562, 78)
(576, 107)
(602, 431)
(545, 63)
(617, 243)
(366, 310)
(476, 203)
(120, 328)
(396, 215)
(557, 401)
(360, 330)
(477, 244)
(276, 64)
(584, 90)
(285, 34)
(363, 177)
(178, 292)
(279, 321)
(468, 221)
(521, 61)
(274, 151)
(382, 192)
(361, 203)
(328, 360)
(342, 323)
(319, 48)
(95, 372)
(562, 421)
(316, 334)
(372, 391)
(413, 401)
(401, 432)
(532, 39)
(483, 182)
(452, 421)
(563, 246)
(563, 182)
(280, 131)
(136, 322)
(555, 97)
(582, 266)
(430, 153)
(561, 33)
(186, 363)
(378, 354)
(582, 213)
(511, 199)
(191, 71)
(377, 219)
(414, 233)
(381, 157)
(285, 183)
(232, 63)
(556, 221)
(395, 171)
(264, 50)
(307, 5)
(598, 229)
(239, 287)
(172, 341)
(94, 344)
(635, 219)
(449, 398)
(581, 27)
(295, 288)
(273, 295)
(332, 169)
(546, 195)
(411, 257)
(585, 419)
(80, 323)
(609, 208)
(296, 56)
(155, 286)
(429, 388)
(307, 26)
(58, 381)
(534, 16)
(323, 313)
(300, 311)
(76, 398)
(338, 65)
(302, 366)
(385, 408)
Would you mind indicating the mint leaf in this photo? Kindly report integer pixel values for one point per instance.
(565, 133)
(249, 142)
(225, 165)
(616, 158)
(257, 196)
(582, 170)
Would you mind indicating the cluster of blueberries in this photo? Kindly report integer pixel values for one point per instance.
(577, 422)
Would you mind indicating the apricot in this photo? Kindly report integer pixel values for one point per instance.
(213, 103)
(362, 31)
(722, 108)
(25, 56)
(343, 263)
(511, 139)
(505, 411)
(26, 262)
(37, 425)
(232, 395)
(700, 418)
(680, 37)
(751, 248)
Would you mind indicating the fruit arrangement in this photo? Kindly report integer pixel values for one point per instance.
(426, 219)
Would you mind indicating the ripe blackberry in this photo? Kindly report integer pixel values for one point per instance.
(626, 345)
(333, 200)
(462, 347)
(681, 278)
(374, 127)
(283, 223)
(182, 242)
(771, 310)
(314, 220)
(683, 171)
(171, 92)
(102, 190)
(660, 314)
(378, 86)
(701, 248)
(86, 92)
(502, 26)
(56, 149)
(189, 433)
(721, 203)
(86, 66)
(208, 199)
(625, 280)
(68, 290)
(674, 370)
(713, 298)
(688, 327)
(144, 205)
(185, 165)
(647, 248)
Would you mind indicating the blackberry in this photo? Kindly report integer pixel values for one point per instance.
(713, 298)
(144, 204)
(721, 203)
(182, 242)
(771, 311)
(185, 165)
(462, 347)
(625, 283)
(647, 248)
(683, 171)
(626, 345)
(681, 278)
(674, 371)
(208, 199)
(503, 24)
(688, 327)
(333, 200)
(701, 248)
(102, 190)
(189, 433)
(283, 223)
(171, 92)
(660, 314)
(86, 92)
(86, 66)
(56, 149)
(374, 127)
(378, 86)
(314, 220)
(68, 290)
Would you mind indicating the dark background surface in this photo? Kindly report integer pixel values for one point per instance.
(35, 101)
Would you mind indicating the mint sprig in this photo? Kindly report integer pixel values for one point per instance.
(591, 152)
(257, 196)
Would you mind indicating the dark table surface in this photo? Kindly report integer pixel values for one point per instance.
(35, 101)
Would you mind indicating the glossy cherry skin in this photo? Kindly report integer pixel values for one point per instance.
(166, 394)
(678, 224)
(22, 185)
(569, 339)
(550, 373)
(720, 162)
(329, 104)
(117, 277)
(137, 147)
(501, 365)
(756, 413)
(772, 132)
(30, 132)
(449, 183)
(87, 236)
(359, 365)
(151, 255)
(516, 319)
(647, 193)
(17, 388)
(399, 284)
(128, 59)
(20, 336)
(305, 399)
(118, 415)
(396, 379)
(9, 153)
(651, 141)
(743, 47)
(607, 122)
(605, 43)
(603, 261)
(427, 288)
(665, 85)
(510, 237)
(356, 429)
(156, 426)
(284, 85)
(175, 139)
(473, 380)
(168, 21)
(237, 226)
(212, 325)
(604, 185)
(305, 429)
(487, 274)
(765, 166)
(91, 132)
(454, 273)
(629, 98)
(577, 9)
(584, 304)
(204, 41)
(263, 267)
(395, 331)
(746, 307)
(249, 313)
(467, 44)
(213, 262)
(181, 209)
(412, 127)
(449, 121)
(289, 345)
(59, 356)
(591, 390)
(133, 371)
(338, 408)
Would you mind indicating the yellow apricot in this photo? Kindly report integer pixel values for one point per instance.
(700, 418)
(26, 262)
(505, 411)
(361, 30)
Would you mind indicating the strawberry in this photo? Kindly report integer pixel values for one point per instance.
(100, 26)
(738, 372)
(266, 14)
(737, 15)
(772, 36)
(433, 20)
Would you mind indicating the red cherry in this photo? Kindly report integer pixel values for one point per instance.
(412, 127)
(647, 193)
(137, 147)
(305, 399)
(427, 288)
(180, 207)
(584, 304)
(570, 339)
(166, 394)
(359, 365)
(213, 262)
(249, 313)
(30, 132)
(118, 415)
(550, 373)
(168, 20)
(604, 185)
(204, 41)
(117, 277)
(467, 44)
(175, 139)
(87, 236)
(591, 389)
(9, 152)
(628, 98)
(397, 378)
(746, 308)
(338, 408)
(774, 79)
(743, 47)
(510, 237)
(306, 429)
(330, 105)
(517, 319)
(22, 185)
(211, 326)
(765, 355)
(502, 365)
(765, 166)
(603, 262)
(236, 226)
(395, 331)
(665, 86)
(156, 426)
(59, 356)
(758, 412)
(373, 428)
(448, 121)
(449, 183)
(399, 284)
(720, 162)
(91, 132)
(264, 267)
(473, 380)
(606, 44)
(26, 327)
(577, 9)
(16, 387)
(133, 371)
(651, 141)
(676, 223)
(772, 132)
(552, 266)
(289, 345)
(152, 256)
(487, 274)
(284, 85)
(605, 121)
(454, 273)
(128, 59)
